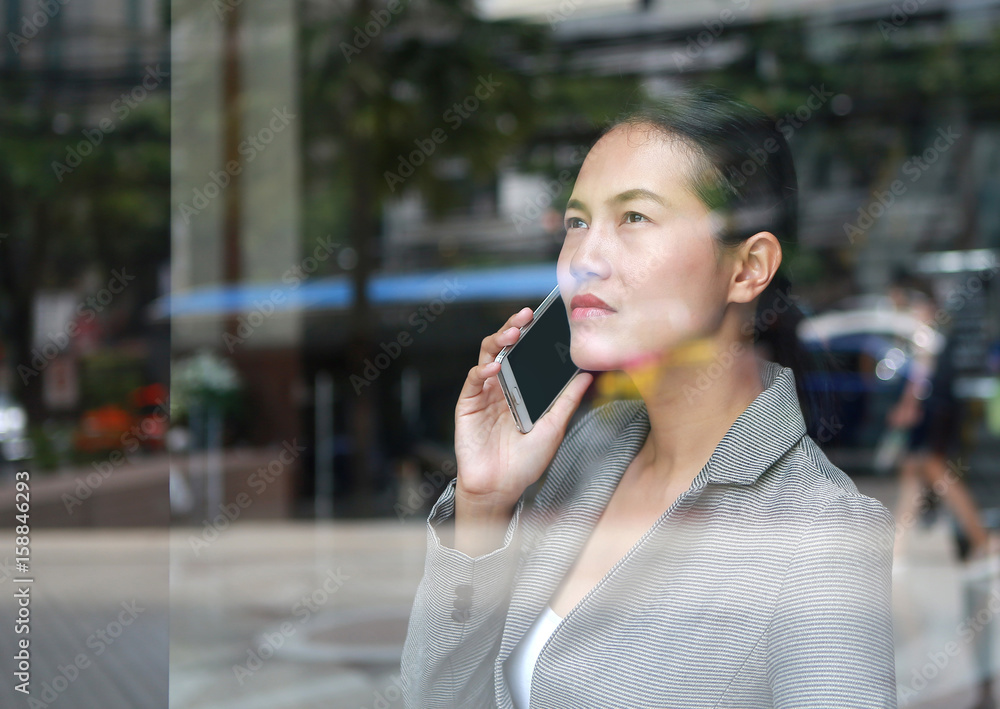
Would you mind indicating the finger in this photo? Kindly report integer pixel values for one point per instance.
(487, 367)
(492, 344)
(477, 378)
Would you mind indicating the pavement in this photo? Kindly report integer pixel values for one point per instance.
(302, 615)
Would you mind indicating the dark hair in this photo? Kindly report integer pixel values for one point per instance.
(745, 174)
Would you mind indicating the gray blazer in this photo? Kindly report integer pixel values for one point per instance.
(768, 583)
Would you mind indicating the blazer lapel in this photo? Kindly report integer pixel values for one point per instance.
(558, 546)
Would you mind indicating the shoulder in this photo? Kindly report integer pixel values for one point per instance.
(821, 500)
(830, 633)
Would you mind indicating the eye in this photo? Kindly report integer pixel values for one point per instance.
(634, 217)
(574, 223)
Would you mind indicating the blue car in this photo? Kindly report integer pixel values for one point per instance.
(874, 348)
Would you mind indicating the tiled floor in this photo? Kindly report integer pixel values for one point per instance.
(292, 615)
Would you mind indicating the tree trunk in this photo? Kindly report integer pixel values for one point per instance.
(363, 235)
(23, 285)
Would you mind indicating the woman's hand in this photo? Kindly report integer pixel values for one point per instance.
(496, 462)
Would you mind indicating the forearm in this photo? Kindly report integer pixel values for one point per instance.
(458, 615)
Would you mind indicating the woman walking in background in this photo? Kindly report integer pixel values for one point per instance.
(930, 411)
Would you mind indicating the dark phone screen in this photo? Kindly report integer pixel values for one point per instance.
(541, 362)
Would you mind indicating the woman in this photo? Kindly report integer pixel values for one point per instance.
(694, 547)
(932, 413)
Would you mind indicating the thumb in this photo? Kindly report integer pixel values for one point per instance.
(570, 399)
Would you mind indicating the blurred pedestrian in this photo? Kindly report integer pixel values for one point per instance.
(931, 414)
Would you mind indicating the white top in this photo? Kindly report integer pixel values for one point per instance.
(521, 664)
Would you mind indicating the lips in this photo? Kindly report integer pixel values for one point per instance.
(584, 307)
(589, 301)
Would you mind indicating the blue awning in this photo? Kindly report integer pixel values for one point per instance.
(501, 283)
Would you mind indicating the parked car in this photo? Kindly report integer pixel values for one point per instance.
(14, 442)
(875, 347)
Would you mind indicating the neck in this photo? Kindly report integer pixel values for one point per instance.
(693, 394)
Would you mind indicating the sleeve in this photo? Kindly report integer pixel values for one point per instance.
(830, 642)
(458, 617)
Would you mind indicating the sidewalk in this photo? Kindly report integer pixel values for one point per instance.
(226, 600)
(292, 614)
(299, 615)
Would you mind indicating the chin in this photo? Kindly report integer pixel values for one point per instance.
(600, 357)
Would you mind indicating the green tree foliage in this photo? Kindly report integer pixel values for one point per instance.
(73, 202)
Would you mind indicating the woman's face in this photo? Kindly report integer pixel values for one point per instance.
(641, 241)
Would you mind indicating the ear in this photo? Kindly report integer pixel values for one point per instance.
(755, 263)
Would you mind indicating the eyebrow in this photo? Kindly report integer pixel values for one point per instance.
(626, 196)
(637, 193)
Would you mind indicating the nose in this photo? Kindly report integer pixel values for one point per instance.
(587, 259)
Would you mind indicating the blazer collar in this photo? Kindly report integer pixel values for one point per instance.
(759, 436)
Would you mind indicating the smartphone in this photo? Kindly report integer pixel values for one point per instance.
(535, 369)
